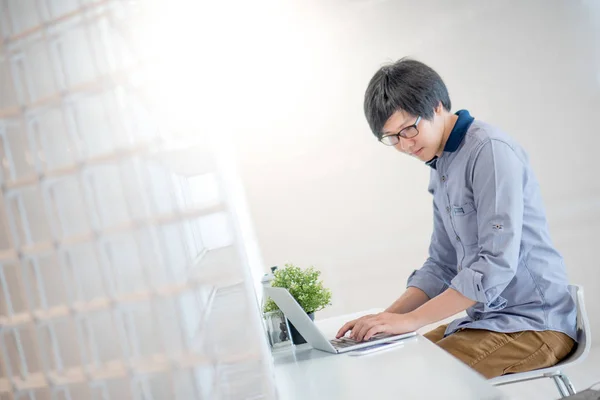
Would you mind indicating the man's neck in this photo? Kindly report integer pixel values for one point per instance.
(449, 122)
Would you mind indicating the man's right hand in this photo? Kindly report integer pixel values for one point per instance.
(410, 300)
(349, 325)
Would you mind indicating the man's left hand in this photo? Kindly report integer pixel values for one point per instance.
(384, 322)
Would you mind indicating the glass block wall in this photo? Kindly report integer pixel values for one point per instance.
(123, 256)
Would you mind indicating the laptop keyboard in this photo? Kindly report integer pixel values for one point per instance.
(347, 342)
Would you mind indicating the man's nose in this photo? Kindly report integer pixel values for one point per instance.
(405, 144)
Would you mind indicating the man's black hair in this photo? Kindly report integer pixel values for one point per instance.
(407, 85)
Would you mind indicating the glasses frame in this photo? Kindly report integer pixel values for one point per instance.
(402, 133)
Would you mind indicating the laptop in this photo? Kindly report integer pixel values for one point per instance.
(307, 328)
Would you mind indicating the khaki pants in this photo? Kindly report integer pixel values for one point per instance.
(493, 353)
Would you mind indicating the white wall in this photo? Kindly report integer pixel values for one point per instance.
(323, 192)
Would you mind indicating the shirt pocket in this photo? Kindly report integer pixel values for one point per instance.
(465, 222)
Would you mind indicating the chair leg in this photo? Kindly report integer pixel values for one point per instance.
(560, 385)
(570, 388)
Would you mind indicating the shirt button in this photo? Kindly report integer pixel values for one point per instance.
(457, 239)
(443, 178)
(448, 210)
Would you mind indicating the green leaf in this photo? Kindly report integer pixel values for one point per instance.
(304, 286)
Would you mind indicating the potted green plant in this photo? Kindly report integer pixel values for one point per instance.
(306, 287)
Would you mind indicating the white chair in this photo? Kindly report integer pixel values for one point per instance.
(564, 385)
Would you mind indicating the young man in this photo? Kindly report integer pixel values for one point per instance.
(490, 251)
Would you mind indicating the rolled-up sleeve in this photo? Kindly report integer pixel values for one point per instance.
(436, 273)
(497, 176)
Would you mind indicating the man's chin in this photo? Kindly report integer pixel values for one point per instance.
(422, 155)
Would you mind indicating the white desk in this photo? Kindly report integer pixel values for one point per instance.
(416, 370)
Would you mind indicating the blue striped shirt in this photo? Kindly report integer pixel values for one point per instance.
(490, 238)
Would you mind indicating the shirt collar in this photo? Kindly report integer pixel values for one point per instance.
(456, 136)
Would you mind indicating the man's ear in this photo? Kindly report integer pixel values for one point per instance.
(439, 108)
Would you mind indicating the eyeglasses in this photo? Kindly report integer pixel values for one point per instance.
(407, 133)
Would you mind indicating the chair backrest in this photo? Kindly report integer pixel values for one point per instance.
(584, 341)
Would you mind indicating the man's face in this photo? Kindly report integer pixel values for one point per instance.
(425, 145)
